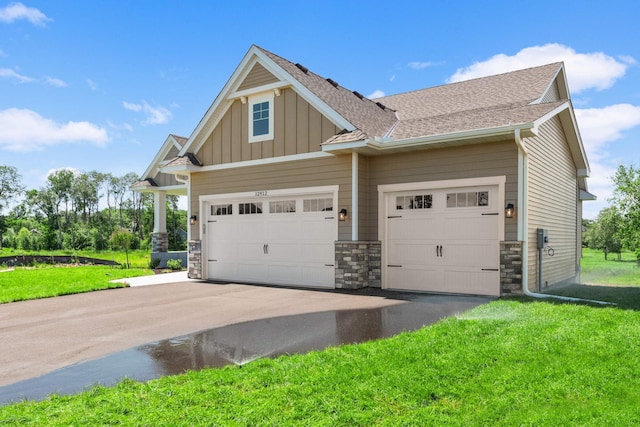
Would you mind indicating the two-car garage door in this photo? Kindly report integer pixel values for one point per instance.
(443, 240)
(275, 238)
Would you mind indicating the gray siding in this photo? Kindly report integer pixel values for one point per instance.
(295, 174)
(164, 179)
(298, 128)
(469, 161)
(552, 94)
(552, 204)
(258, 76)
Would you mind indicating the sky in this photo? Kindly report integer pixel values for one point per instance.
(99, 85)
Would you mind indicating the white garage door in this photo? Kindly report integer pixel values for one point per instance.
(443, 240)
(287, 240)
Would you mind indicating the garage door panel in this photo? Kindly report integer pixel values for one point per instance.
(320, 253)
(413, 228)
(416, 279)
(478, 227)
(317, 229)
(316, 275)
(472, 253)
(472, 282)
(410, 252)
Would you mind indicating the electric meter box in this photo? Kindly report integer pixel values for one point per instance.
(543, 238)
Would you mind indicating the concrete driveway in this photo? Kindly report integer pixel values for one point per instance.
(41, 336)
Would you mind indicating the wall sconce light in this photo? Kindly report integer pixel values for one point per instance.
(193, 219)
(509, 210)
(342, 215)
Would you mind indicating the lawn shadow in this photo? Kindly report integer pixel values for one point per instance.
(625, 297)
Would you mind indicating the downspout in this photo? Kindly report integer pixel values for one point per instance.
(354, 196)
(523, 221)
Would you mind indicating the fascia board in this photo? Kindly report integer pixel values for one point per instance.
(181, 168)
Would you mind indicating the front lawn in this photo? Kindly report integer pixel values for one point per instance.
(510, 362)
(597, 270)
(24, 283)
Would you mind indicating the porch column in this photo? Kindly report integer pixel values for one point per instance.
(160, 238)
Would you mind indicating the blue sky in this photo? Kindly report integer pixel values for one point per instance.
(100, 84)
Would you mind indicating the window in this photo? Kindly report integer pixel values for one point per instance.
(250, 208)
(318, 205)
(420, 201)
(261, 117)
(217, 210)
(282, 206)
(468, 199)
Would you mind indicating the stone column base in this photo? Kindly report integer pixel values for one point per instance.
(195, 259)
(159, 242)
(358, 264)
(511, 268)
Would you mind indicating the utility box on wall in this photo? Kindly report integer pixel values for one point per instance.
(543, 238)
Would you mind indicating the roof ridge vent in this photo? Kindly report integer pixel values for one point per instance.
(302, 68)
(333, 82)
(381, 105)
(358, 94)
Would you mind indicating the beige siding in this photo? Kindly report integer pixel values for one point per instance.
(171, 154)
(552, 204)
(469, 161)
(258, 76)
(296, 174)
(298, 128)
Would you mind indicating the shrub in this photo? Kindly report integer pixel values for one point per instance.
(174, 264)
(154, 263)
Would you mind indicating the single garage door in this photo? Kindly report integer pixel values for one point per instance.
(286, 240)
(443, 240)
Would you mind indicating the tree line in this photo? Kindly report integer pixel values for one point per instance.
(80, 211)
(618, 226)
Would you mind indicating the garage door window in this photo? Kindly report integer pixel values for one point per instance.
(468, 199)
(250, 208)
(217, 210)
(282, 206)
(318, 205)
(421, 201)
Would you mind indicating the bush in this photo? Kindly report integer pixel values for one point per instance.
(174, 264)
(154, 263)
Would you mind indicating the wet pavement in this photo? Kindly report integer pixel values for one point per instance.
(244, 342)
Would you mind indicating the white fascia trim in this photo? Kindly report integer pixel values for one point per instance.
(429, 140)
(164, 188)
(265, 194)
(268, 161)
(177, 169)
(153, 167)
(257, 90)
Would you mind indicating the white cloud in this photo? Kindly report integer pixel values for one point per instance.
(601, 126)
(420, 65)
(376, 94)
(155, 115)
(52, 81)
(25, 130)
(16, 11)
(71, 169)
(8, 73)
(92, 85)
(584, 70)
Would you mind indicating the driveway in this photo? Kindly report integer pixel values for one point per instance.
(41, 336)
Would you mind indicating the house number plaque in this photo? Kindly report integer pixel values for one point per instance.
(261, 193)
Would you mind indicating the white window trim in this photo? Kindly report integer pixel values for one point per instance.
(256, 99)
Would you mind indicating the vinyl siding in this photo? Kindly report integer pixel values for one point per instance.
(173, 152)
(298, 128)
(468, 161)
(552, 204)
(294, 174)
(164, 180)
(552, 94)
(258, 76)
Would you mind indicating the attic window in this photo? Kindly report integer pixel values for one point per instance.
(261, 117)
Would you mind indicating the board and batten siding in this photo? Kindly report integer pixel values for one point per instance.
(294, 174)
(165, 179)
(258, 76)
(552, 204)
(553, 94)
(298, 128)
(465, 161)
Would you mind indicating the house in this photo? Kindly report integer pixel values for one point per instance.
(293, 179)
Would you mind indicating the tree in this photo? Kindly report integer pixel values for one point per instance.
(122, 239)
(10, 187)
(627, 197)
(606, 232)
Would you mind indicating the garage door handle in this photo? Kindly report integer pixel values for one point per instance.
(264, 249)
(439, 250)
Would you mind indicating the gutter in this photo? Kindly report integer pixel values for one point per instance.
(523, 172)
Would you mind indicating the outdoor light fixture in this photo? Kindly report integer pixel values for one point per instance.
(509, 210)
(342, 216)
(193, 220)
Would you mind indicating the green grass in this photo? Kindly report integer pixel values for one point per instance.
(49, 281)
(137, 259)
(595, 269)
(506, 363)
